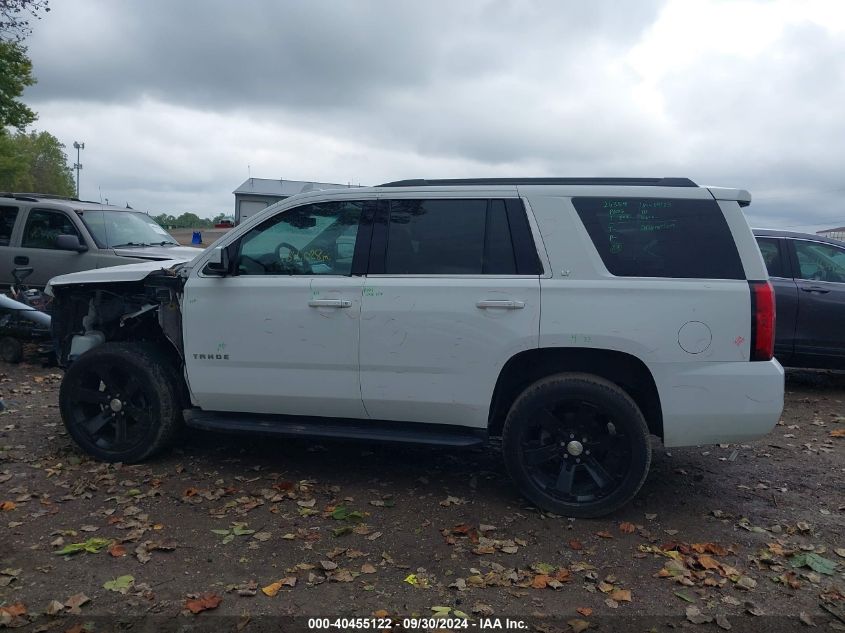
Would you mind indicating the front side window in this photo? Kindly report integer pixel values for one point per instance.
(315, 239)
(770, 250)
(820, 262)
(661, 237)
(43, 227)
(7, 223)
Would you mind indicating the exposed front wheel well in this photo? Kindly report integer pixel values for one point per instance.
(624, 370)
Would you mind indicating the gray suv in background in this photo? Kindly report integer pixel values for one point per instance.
(808, 274)
(54, 236)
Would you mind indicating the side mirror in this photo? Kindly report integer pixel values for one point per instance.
(218, 262)
(70, 243)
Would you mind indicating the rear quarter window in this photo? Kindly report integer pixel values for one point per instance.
(661, 237)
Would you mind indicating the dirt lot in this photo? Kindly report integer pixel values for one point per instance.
(184, 236)
(749, 537)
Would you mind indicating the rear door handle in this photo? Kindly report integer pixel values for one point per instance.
(818, 289)
(21, 260)
(330, 303)
(501, 304)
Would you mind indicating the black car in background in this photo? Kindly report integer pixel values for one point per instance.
(808, 274)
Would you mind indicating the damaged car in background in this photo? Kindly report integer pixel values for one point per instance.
(411, 312)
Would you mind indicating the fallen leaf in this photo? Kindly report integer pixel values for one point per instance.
(54, 607)
(344, 575)
(91, 546)
(753, 609)
(806, 618)
(627, 528)
(837, 433)
(621, 595)
(709, 548)
(577, 625)
(815, 562)
(273, 588)
(117, 550)
(366, 568)
(120, 584)
(840, 551)
(540, 581)
(8, 506)
(328, 565)
(684, 596)
(746, 582)
(722, 621)
(202, 603)
(14, 610)
(481, 608)
(585, 611)
(74, 602)
(708, 562)
(604, 534)
(695, 616)
(576, 545)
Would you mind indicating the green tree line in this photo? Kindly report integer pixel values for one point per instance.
(186, 221)
(29, 161)
(34, 162)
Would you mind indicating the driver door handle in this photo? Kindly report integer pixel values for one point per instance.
(330, 303)
(818, 289)
(502, 304)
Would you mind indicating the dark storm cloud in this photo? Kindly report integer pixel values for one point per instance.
(175, 99)
(325, 55)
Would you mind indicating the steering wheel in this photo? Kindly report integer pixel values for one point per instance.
(294, 252)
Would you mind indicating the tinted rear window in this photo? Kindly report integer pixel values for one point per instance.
(661, 237)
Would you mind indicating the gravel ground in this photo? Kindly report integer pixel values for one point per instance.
(246, 532)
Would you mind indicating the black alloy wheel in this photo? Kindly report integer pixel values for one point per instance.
(576, 445)
(118, 401)
(574, 451)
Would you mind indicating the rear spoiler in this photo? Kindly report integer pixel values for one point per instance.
(741, 196)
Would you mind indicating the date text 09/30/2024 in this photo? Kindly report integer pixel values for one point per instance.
(380, 624)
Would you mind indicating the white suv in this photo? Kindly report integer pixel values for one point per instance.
(573, 318)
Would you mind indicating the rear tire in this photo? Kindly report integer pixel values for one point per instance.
(120, 402)
(11, 350)
(576, 445)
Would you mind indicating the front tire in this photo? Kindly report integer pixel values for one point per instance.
(120, 402)
(11, 350)
(576, 445)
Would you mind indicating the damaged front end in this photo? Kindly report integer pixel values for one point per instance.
(90, 313)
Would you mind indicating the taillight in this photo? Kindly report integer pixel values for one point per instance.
(762, 320)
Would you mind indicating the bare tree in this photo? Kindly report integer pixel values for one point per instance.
(16, 17)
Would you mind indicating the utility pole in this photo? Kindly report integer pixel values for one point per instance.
(78, 165)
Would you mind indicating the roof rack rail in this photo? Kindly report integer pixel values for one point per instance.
(34, 197)
(449, 182)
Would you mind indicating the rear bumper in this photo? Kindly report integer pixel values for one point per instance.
(716, 403)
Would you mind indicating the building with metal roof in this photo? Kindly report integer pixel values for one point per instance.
(836, 234)
(257, 193)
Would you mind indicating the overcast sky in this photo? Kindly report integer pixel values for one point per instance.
(174, 100)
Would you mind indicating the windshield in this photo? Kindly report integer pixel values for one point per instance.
(125, 228)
